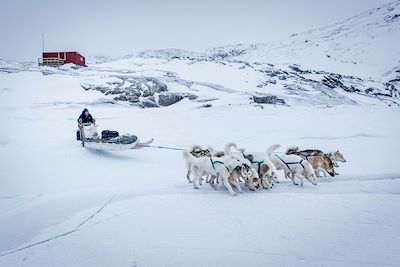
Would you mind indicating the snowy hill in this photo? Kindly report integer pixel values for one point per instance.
(170, 53)
(362, 45)
(332, 65)
(62, 204)
(351, 62)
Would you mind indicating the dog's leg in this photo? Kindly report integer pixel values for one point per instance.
(318, 172)
(237, 185)
(189, 167)
(188, 176)
(293, 177)
(335, 164)
(196, 176)
(287, 174)
(270, 181)
(265, 182)
(210, 180)
(250, 186)
(213, 181)
(320, 169)
(298, 175)
(275, 177)
(301, 179)
(228, 186)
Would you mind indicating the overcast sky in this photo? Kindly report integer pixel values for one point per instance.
(119, 27)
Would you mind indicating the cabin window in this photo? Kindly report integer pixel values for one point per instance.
(81, 58)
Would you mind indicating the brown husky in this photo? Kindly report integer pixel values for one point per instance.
(318, 160)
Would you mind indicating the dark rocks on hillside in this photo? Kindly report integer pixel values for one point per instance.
(167, 99)
(350, 89)
(147, 93)
(265, 83)
(86, 86)
(269, 99)
(132, 98)
(222, 54)
(296, 68)
(392, 18)
(159, 86)
(121, 98)
(206, 106)
(136, 92)
(102, 89)
(129, 88)
(146, 103)
(334, 81)
(190, 96)
(116, 91)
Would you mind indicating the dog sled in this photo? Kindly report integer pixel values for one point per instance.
(109, 140)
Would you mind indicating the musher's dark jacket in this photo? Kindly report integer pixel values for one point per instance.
(85, 119)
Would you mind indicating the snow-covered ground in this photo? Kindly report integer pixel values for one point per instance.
(63, 205)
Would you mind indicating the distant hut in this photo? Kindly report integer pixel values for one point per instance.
(56, 59)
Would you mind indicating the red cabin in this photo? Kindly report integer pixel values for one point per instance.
(56, 59)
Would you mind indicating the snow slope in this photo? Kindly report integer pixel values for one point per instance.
(63, 205)
(362, 46)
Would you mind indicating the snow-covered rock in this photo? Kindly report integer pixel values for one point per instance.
(167, 99)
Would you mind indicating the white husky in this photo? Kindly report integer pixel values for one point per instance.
(293, 166)
(214, 166)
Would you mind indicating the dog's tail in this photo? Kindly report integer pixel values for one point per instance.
(292, 150)
(216, 153)
(271, 149)
(195, 147)
(228, 148)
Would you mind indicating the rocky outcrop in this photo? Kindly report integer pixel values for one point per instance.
(145, 92)
(167, 99)
(269, 99)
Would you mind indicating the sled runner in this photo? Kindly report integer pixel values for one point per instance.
(109, 141)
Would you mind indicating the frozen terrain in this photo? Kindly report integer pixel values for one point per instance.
(136, 208)
(64, 205)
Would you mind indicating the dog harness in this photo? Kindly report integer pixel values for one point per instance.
(219, 162)
(258, 164)
(291, 163)
(201, 153)
(254, 162)
(304, 155)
